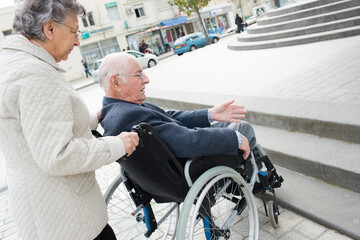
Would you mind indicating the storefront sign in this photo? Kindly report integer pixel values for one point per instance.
(216, 12)
(100, 30)
(110, 5)
(85, 34)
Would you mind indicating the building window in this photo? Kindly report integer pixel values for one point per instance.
(95, 51)
(113, 13)
(139, 11)
(162, 5)
(88, 20)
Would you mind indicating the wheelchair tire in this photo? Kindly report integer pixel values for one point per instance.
(215, 188)
(126, 226)
(273, 214)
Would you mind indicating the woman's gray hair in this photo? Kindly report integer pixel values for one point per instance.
(31, 15)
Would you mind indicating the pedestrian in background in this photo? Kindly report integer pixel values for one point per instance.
(158, 45)
(86, 69)
(45, 130)
(239, 22)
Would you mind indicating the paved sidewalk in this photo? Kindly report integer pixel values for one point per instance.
(291, 225)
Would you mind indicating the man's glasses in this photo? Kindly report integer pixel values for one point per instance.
(77, 32)
(140, 75)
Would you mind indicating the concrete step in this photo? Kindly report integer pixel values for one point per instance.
(299, 6)
(328, 205)
(332, 7)
(308, 21)
(333, 161)
(328, 120)
(290, 41)
(317, 28)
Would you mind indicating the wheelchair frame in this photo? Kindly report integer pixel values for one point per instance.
(198, 191)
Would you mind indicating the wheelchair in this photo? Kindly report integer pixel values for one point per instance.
(217, 202)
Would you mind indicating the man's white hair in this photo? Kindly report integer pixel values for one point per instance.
(114, 63)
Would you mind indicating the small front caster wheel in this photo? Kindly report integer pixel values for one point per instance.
(273, 214)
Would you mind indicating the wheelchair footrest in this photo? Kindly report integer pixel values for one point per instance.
(273, 179)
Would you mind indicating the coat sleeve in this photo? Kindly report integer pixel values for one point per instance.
(191, 119)
(55, 123)
(183, 141)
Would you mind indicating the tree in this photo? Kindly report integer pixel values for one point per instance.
(190, 6)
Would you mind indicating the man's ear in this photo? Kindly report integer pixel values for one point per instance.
(114, 82)
(49, 29)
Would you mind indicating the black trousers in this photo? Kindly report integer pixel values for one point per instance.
(106, 234)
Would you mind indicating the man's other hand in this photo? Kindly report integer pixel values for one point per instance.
(228, 112)
(130, 140)
(245, 147)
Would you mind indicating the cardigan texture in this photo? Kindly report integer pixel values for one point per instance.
(50, 154)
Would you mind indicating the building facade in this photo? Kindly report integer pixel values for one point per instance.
(114, 26)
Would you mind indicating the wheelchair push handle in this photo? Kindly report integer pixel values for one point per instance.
(136, 128)
(140, 132)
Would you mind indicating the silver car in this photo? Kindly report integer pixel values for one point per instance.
(145, 61)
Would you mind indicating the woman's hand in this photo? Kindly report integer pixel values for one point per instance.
(130, 140)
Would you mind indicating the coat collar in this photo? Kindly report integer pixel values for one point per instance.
(108, 100)
(21, 43)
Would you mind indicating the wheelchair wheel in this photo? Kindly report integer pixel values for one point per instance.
(273, 214)
(219, 205)
(126, 226)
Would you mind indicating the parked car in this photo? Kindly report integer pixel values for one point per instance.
(145, 61)
(193, 41)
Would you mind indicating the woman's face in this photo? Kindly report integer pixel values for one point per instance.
(65, 38)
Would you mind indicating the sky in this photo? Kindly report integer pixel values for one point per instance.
(6, 3)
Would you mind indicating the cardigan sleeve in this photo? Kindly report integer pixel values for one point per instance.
(56, 125)
(94, 122)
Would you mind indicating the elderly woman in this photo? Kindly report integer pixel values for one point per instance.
(45, 129)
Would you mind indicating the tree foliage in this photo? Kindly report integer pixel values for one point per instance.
(189, 6)
(192, 6)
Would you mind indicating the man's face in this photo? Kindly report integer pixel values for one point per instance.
(133, 90)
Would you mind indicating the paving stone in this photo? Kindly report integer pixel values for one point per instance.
(287, 221)
(310, 229)
(332, 235)
(293, 236)
(263, 234)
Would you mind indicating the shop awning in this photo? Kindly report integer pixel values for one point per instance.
(150, 30)
(174, 22)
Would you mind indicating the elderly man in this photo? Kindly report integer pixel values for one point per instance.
(187, 133)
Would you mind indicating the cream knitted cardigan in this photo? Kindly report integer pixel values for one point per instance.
(50, 155)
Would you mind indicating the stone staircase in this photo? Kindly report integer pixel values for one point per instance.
(308, 22)
(318, 157)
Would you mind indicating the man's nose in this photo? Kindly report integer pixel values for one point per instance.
(146, 80)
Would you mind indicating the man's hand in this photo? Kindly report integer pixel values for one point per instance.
(245, 147)
(228, 112)
(130, 140)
